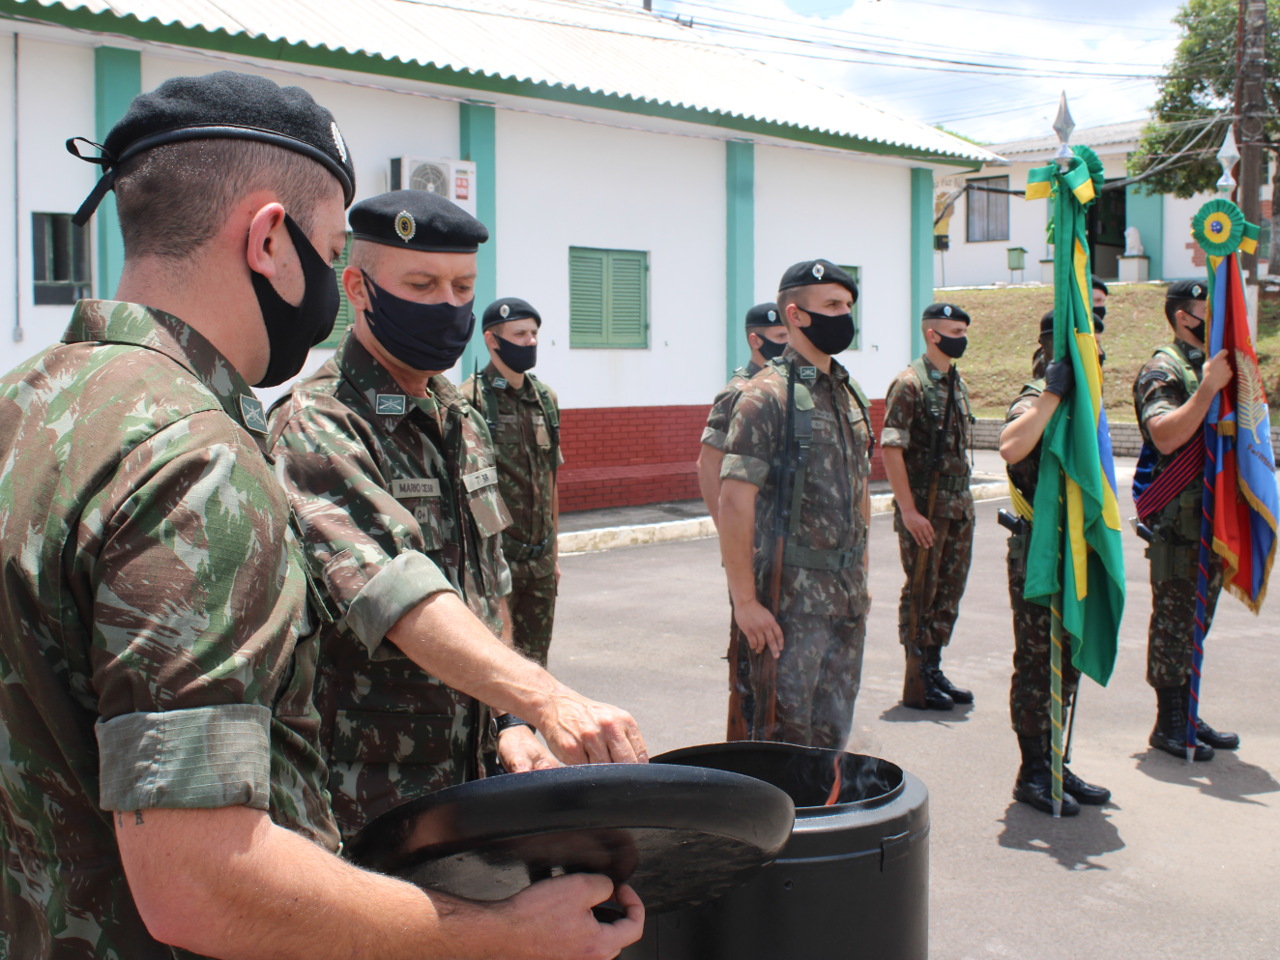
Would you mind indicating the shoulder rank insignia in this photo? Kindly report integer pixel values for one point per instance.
(1154, 376)
(252, 413)
(389, 405)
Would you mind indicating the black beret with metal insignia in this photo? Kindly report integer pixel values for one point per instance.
(1187, 290)
(944, 311)
(1099, 285)
(509, 308)
(763, 315)
(417, 220)
(226, 106)
(809, 273)
(1046, 324)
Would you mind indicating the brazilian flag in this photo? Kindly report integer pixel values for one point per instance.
(1075, 548)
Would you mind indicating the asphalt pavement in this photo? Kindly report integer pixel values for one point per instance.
(1184, 863)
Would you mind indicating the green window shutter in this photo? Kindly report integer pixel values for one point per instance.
(608, 298)
(346, 315)
(587, 270)
(628, 299)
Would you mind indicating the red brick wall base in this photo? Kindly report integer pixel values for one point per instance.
(627, 456)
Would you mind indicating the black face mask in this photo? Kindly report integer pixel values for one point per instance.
(518, 358)
(1102, 357)
(422, 336)
(1099, 313)
(952, 347)
(770, 350)
(829, 333)
(1197, 331)
(293, 331)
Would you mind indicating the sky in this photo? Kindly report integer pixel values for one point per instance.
(990, 70)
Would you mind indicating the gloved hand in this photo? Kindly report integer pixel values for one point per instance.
(1059, 378)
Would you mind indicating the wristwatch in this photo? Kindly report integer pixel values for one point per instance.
(503, 721)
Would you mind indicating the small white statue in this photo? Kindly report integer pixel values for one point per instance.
(1133, 243)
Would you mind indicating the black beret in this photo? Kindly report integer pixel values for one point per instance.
(509, 308)
(811, 272)
(944, 311)
(1099, 285)
(763, 315)
(418, 220)
(223, 105)
(1046, 324)
(1186, 290)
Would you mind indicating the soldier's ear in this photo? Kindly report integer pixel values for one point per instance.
(353, 285)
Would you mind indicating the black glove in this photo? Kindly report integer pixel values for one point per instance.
(1059, 378)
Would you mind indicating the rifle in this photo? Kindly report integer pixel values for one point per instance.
(913, 685)
(765, 720)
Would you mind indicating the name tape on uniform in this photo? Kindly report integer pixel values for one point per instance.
(411, 489)
(481, 478)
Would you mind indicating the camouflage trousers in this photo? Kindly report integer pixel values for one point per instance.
(1171, 633)
(945, 574)
(533, 612)
(819, 674)
(1029, 691)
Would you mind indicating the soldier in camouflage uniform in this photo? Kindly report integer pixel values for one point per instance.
(160, 777)
(1171, 397)
(523, 417)
(816, 628)
(915, 452)
(1029, 693)
(394, 482)
(766, 338)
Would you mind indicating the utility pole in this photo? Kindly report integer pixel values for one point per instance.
(1251, 108)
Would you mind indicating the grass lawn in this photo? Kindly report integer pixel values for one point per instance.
(1006, 323)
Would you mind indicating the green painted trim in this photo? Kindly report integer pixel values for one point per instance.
(478, 142)
(117, 79)
(740, 247)
(361, 62)
(1146, 212)
(921, 252)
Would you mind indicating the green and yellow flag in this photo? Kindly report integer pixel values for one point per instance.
(1075, 544)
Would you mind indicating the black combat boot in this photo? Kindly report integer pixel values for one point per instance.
(1170, 733)
(1034, 785)
(933, 660)
(1218, 739)
(930, 695)
(1086, 793)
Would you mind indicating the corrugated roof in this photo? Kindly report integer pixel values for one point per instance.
(1102, 136)
(596, 46)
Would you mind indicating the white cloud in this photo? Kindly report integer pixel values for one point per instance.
(1086, 38)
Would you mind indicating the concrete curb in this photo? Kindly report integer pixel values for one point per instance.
(607, 538)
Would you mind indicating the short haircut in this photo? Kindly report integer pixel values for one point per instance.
(364, 255)
(174, 199)
(791, 295)
(1171, 308)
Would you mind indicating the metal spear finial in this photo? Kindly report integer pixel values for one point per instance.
(1063, 127)
(1228, 156)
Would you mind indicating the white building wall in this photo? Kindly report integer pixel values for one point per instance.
(1179, 248)
(809, 205)
(563, 183)
(54, 101)
(972, 264)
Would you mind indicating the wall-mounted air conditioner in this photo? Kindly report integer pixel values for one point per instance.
(453, 179)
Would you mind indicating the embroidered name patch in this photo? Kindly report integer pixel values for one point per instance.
(410, 489)
(481, 478)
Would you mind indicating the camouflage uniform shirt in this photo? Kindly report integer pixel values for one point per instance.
(155, 648)
(910, 422)
(397, 499)
(527, 460)
(716, 432)
(831, 510)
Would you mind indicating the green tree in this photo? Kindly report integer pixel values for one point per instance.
(1178, 149)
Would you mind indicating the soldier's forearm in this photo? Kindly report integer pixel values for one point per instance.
(1171, 430)
(1020, 436)
(895, 466)
(709, 460)
(737, 537)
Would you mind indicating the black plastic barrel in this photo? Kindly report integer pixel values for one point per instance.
(852, 882)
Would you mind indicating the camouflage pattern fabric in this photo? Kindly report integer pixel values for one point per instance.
(819, 674)
(527, 460)
(155, 646)
(830, 519)
(716, 432)
(397, 498)
(913, 415)
(1174, 557)
(1029, 690)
